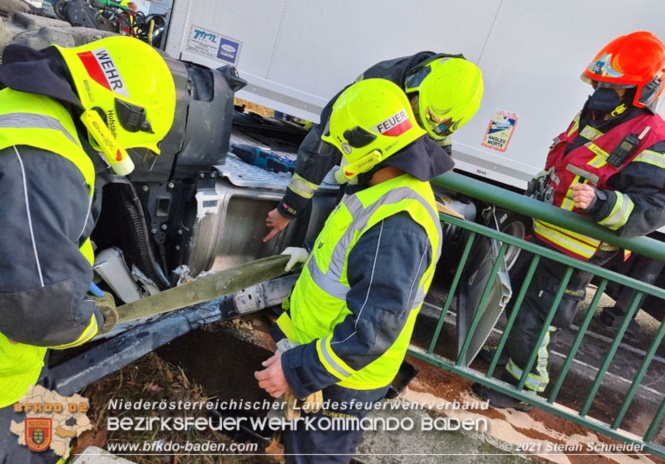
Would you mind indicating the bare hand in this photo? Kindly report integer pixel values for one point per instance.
(272, 378)
(583, 195)
(276, 222)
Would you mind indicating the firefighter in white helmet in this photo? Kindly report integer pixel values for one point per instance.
(352, 311)
(61, 108)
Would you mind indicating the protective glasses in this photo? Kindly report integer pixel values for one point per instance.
(441, 127)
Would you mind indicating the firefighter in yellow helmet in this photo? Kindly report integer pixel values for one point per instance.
(350, 316)
(444, 91)
(60, 109)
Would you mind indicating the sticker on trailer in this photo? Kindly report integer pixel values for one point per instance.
(500, 130)
(228, 50)
(213, 45)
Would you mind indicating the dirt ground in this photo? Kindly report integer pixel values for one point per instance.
(153, 379)
(551, 428)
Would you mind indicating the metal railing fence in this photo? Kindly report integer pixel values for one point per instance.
(579, 414)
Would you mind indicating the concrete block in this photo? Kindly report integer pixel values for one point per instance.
(426, 446)
(31, 21)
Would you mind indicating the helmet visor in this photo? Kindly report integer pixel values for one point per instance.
(326, 149)
(414, 80)
(596, 83)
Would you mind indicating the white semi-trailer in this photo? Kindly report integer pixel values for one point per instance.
(296, 54)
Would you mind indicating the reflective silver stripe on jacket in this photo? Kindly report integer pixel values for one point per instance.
(582, 173)
(620, 212)
(651, 157)
(303, 187)
(33, 121)
(329, 281)
(323, 346)
(590, 133)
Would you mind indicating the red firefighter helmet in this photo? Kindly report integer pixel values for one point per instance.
(633, 60)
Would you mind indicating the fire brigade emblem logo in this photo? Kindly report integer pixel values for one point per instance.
(38, 433)
(50, 421)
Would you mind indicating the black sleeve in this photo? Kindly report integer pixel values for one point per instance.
(447, 144)
(311, 168)
(637, 206)
(45, 216)
(384, 269)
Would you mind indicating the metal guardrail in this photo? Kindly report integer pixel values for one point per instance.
(531, 208)
(528, 207)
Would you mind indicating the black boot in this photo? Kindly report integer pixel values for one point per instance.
(498, 399)
(487, 354)
(613, 316)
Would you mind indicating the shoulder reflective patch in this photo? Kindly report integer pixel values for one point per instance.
(651, 157)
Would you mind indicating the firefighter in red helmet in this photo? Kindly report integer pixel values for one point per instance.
(609, 165)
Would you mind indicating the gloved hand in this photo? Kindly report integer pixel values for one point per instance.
(312, 404)
(106, 304)
(298, 256)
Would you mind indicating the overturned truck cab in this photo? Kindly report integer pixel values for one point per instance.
(193, 209)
